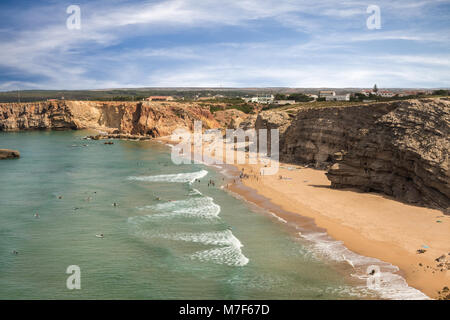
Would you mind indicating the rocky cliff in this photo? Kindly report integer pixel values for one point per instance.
(138, 118)
(397, 148)
(235, 119)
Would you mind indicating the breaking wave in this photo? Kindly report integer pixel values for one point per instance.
(390, 286)
(200, 207)
(228, 247)
(178, 177)
(229, 251)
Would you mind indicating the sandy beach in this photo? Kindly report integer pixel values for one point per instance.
(369, 224)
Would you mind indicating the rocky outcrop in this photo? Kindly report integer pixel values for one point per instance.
(120, 136)
(230, 118)
(403, 154)
(280, 120)
(248, 122)
(9, 154)
(398, 148)
(42, 115)
(313, 135)
(135, 118)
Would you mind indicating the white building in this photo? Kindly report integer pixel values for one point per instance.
(268, 98)
(338, 97)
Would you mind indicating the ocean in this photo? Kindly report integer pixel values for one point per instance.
(168, 236)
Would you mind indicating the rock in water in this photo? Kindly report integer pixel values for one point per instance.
(9, 154)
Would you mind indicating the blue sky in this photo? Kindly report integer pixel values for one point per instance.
(227, 43)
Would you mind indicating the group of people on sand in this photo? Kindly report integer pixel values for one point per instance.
(243, 175)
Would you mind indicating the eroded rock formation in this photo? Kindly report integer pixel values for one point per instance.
(230, 118)
(403, 154)
(9, 154)
(137, 118)
(398, 148)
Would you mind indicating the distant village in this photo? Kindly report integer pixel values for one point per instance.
(365, 95)
(271, 98)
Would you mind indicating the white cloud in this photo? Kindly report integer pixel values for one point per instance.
(318, 59)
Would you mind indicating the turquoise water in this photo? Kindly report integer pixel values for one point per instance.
(167, 238)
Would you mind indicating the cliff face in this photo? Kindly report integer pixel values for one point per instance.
(404, 154)
(140, 118)
(397, 148)
(43, 115)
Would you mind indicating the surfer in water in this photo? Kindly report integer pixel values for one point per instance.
(36, 215)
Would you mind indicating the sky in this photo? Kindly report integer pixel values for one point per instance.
(226, 43)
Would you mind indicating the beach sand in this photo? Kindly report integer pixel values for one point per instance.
(369, 224)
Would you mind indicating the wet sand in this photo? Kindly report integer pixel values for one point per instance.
(369, 224)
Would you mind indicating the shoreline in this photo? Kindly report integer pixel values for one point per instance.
(419, 270)
(370, 225)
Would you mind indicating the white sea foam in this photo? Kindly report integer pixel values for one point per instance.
(178, 178)
(195, 192)
(391, 285)
(278, 218)
(198, 207)
(229, 251)
(231, 256)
